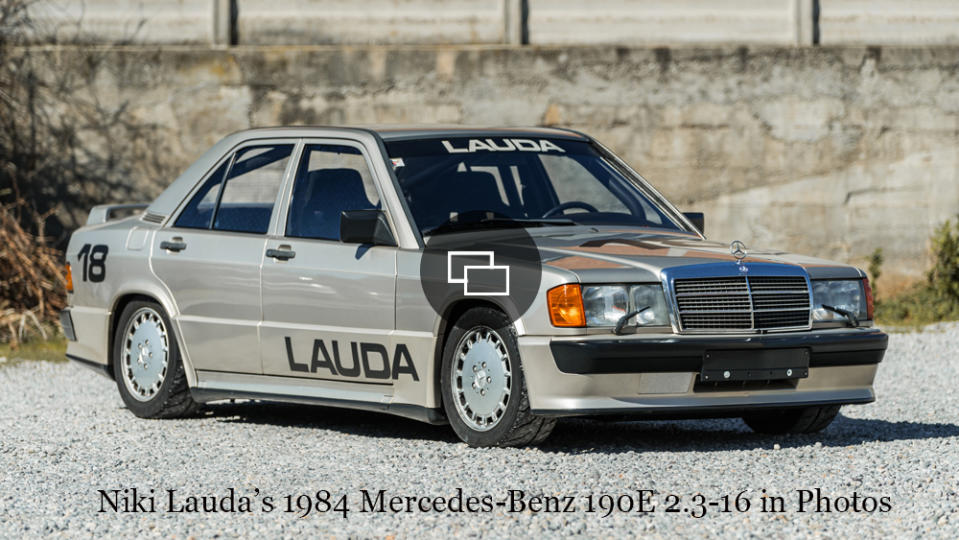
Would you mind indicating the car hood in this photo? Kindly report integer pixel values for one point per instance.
(630, 255)
(597, 255)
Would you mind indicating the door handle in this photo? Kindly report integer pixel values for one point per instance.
(282, 253)
(174, 244)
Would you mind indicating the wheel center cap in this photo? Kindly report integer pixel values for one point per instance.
(142, 356)
(480, 379)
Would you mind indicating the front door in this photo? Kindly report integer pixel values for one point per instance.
(328, 306)
(210, 257)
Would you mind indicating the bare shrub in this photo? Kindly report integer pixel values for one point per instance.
(65, 146)
(32, 283)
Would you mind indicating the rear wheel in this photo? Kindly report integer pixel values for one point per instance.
(484, 391)
(802, 420)
(147, 365)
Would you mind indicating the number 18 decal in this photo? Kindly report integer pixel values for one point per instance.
(94, 262)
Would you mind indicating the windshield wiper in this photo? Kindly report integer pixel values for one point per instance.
(497, 222)
(850, 317)
(622, 320)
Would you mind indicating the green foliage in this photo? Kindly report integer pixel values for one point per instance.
(944, 276)
(938, 298)
(52, 350)
(917, 306)
(875, 267)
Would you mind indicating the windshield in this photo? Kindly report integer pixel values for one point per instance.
(463, 181)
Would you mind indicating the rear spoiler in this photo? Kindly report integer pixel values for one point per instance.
(102, 213)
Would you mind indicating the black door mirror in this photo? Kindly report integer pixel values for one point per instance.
(698, 219)
(365, 227)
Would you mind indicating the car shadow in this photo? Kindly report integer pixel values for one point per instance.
(350, 421)
(585, 436)
(725, 434)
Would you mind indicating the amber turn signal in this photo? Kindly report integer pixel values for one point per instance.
(69, 279)
(566, 306)
(869, 300)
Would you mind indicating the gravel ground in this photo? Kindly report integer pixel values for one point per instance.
(66, 435)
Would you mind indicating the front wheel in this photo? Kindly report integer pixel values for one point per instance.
(147, 365)
(484, 391)
(801, 420)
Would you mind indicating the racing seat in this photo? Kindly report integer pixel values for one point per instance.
(320, 197)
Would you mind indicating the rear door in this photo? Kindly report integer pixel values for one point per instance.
(210, 257)
(328, 306)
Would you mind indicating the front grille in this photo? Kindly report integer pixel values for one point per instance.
(742, 303)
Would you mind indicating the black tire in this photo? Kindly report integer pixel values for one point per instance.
(801, 420)
(517, 426)
(172, 399)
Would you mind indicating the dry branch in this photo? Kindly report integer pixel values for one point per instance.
(32, 282)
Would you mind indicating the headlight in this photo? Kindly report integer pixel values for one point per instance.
(605, 305)
(844, 294)
(652, 296)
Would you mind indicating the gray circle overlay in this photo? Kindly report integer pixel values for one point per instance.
(499, 265)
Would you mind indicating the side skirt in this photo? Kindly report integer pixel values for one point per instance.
(217, 386)
(102, 369)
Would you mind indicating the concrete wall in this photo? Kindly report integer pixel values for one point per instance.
(549, 22)
(254, 22)
(670, 21)
(372, 21)
(126, 21)
(827, 151)
(889, 21)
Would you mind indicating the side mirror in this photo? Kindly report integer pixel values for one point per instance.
(698, 219)
(365, 227)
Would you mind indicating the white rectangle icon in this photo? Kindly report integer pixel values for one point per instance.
(494, 283)
(456, 262)
(477, 272)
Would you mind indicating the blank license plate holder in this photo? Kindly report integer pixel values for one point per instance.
(755, 365)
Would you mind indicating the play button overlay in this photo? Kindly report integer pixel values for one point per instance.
(499, 264)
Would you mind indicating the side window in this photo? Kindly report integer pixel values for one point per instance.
(249, 191)
(329, 179)
(198, 214)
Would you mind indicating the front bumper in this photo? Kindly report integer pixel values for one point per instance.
(660, 375)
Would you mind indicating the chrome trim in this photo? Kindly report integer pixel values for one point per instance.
(740, 269)
(738, 249)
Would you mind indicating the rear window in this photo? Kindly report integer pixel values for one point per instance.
(247, 200)
(250, 189)
(198, 214)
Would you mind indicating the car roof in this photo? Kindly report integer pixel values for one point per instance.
(390, 132)
(171, 197)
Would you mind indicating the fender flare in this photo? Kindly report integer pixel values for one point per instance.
(160, 294)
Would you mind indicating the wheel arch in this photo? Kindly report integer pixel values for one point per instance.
(451, 314)
(145, 294)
